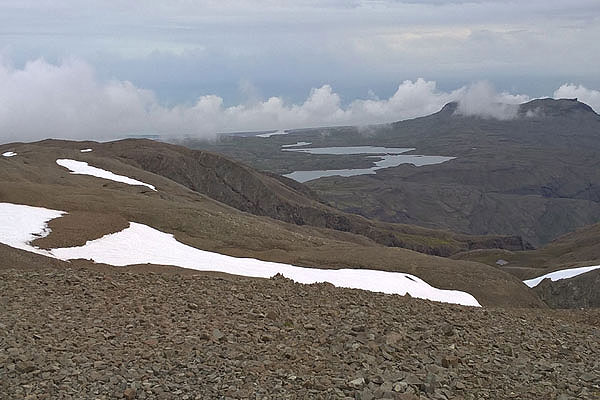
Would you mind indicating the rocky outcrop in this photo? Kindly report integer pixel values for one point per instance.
(582, 291)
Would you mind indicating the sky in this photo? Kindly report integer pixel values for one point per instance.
(104, 69)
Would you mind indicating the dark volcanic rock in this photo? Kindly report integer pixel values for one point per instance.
(582, 291)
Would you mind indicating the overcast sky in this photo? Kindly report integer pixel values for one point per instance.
(181, 61)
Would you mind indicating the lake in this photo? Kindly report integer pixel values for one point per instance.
(387, 157)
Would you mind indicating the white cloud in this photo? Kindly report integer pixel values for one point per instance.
(43, 100)
(67, 101)
(480, 99)
(589, 96)
(412, 99)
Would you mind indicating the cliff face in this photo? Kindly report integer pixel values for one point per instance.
(581, 291)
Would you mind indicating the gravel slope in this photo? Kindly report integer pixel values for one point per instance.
(76, 333)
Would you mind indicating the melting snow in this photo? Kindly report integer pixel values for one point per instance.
(562, 274)
(83, 168)
(9, 154)
(85, 150)
(20, 225)
(141, 244)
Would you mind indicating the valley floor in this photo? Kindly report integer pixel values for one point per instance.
(91, 334)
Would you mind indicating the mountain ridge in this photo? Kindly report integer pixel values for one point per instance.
(535, 108)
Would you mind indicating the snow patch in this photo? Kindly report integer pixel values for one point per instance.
(85, 150)
(267, 135)
(9, 154)
(141, 244)
(83, 168)
(562, 274)
(20, 225)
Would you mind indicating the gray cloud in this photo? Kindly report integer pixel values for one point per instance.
(181, 49)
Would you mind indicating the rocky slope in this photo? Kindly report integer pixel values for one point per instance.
(70, 333)
(578, 292)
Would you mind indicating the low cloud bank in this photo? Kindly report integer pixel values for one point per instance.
(44, 100)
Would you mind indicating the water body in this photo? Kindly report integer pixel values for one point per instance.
(269, 134)
(297, 144)
(388, 157)
(353, 150)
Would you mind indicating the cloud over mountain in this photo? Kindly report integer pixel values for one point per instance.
(67, 100)
(480, 99)
(589, 96)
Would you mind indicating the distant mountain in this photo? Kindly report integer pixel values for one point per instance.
(551, 108)
(536, 176)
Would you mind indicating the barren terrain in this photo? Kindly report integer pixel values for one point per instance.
(71, 333)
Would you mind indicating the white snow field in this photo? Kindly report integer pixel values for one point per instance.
(562, 274)
(19, 225)
(141, 244)
(85, 150)
(83, 168)
(9, 154)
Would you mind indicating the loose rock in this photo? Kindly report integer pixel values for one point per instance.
(252, 338)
